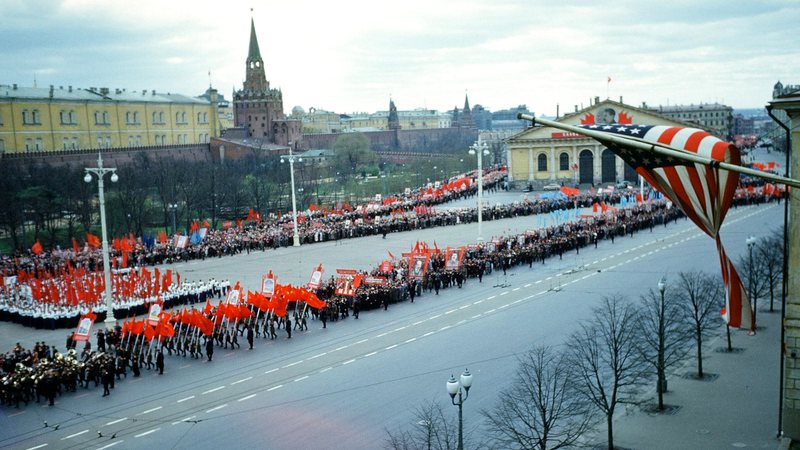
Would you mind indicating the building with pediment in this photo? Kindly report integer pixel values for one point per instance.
(542, 155)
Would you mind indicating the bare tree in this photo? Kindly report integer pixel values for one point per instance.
(753, 277)
(770, 253)
(603, 354)
(699, 299)
(541, 409)
(431, 431)
(662, 340)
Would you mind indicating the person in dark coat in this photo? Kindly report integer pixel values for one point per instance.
(209, 348)
(135, 366)
(250, 336)
(107, 377)
(160, 362)
(288, 327)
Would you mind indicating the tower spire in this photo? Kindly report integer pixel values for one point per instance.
(254, 54)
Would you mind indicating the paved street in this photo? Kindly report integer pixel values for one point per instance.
(344, 386)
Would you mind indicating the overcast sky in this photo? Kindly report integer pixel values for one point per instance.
(347, 56)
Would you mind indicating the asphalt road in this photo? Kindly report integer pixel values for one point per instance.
(344, 386)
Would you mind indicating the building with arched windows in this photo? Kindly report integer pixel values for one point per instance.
(543, 155)
(36, 119)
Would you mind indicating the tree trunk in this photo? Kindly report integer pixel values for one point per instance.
(728, 331)
(699, 357)
(609, 420)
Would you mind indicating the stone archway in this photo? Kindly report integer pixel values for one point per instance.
(608, 172)
(586, 166)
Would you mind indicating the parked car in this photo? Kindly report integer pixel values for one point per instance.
(624, 184)
(551, 187)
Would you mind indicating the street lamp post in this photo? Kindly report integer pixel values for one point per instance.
(174, 208)
(100, 172)
(454, 388)
(751, 242)
(662, 286)
(291, 157)
(480, 148)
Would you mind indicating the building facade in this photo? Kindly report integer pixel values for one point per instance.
(55, 119)
(258, 108)
(713, 116)
(543, 155)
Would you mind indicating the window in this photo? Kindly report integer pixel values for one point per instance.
(2, 145)
(73, 119)
(180, 117)
(563, 161)
(26, 120)
(37, 119)
(28, 144)
(138, 141)
(66, 143)
(542, 159)
(128, 118)
(39, 144)
(164, 139)
(1, 118)
(64, 118)
(108, 141)
(130, 141)
(136, 118)
(158, 140)
(105, 118)
(99, 141)
(98, 118)
(75, 145)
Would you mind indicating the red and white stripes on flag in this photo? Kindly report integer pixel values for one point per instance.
(703, 192)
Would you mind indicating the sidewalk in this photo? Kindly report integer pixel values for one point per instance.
(737, 409)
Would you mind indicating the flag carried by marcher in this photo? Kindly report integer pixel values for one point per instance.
(703, 192)
(84, 329)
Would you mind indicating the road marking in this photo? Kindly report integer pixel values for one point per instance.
(317, 356)
(184, 420)
(271, 370)
(150, 410)
(503, 293)
(465, 306)
(411, 340)
(515, 289)
(475, 316)
(370, 354)
(548, 278)
(21, 412)
(216, 408)
(382, 334)
(38, 446)
(105, 446)
(399, 329)
(528, 285)
(491, 311)
(301, 378)
(292, 364)
(428, 333)
(461, 321)
(325, 369)
(595, 261)
(537, 281)
(73, 435)
(348, 362)
(147, 432)
(116, 421)
(477, 302)
(241, 381)
(434, 317)
(391, 347)
(363, 340)
(213, 390)
(184, 366)
(489, 298)
(417, 322)
(444, 328)
(504, 306)
(274, 387)
(450, 312)
(340, 348)
(516, 301)
(246, 398)
(184, 399)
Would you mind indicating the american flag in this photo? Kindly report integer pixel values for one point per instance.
(704, 193)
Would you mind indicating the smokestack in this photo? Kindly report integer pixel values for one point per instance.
(557, 108)
(597, 100)
(620, 99)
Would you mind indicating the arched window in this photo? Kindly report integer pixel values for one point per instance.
(28, 144)
(66, 143)
(74, 143)
(563, 161)
(542, 162)
(39, 144)
(158, 140)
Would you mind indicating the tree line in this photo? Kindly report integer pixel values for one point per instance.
(560, 394)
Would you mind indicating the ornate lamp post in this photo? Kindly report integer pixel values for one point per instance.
(454, 388)
(100, 172)
(480, 148)
(751, 242)
(173, 207)
(291, 158)
(662, 382)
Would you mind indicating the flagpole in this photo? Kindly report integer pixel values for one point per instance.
(661, 149)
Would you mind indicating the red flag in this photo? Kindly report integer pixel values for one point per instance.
(162, 237)
(207, 309)
(75, 247)
(314, 301)
(206, 224)
(37, 248)
(93, 240)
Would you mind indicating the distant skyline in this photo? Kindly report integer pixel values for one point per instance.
(352, 56)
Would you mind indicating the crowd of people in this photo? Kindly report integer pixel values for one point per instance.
(45, 372)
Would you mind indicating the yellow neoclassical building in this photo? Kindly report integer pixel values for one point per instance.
(50, 119)
(544, 155)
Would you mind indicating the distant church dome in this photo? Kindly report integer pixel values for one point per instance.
(298, 111)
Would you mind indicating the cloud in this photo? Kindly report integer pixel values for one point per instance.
(351, 55)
